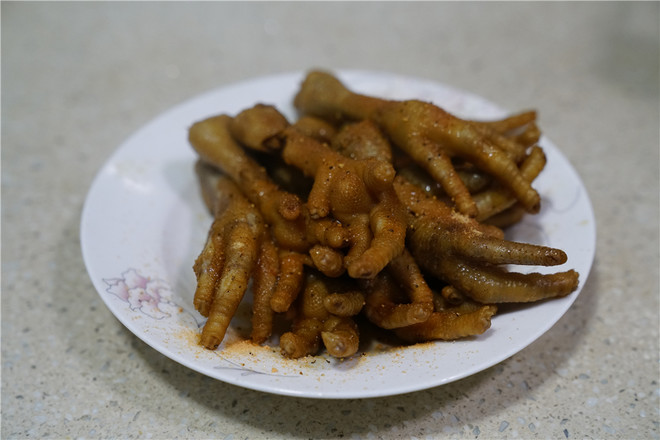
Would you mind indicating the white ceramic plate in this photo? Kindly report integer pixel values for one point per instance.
(143, 224)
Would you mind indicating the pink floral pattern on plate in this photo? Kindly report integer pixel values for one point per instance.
(150, 296)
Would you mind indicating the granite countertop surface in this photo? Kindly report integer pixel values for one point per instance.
(80, 78)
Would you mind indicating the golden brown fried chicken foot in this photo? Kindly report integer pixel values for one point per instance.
(215, 145)
(324, 96)
(459, 250)
(363, 140)
(291, 226)
(357, 193)
(208, 264)
(329, 168)
(437, 230)
(387, 221)
(416, 125)
(359, 141)
(225, 265)
(424, 131)
(449, 325)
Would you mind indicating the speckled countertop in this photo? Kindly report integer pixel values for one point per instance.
(79, 78)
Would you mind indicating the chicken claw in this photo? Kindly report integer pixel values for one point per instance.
(398, 296)
(427, 133)
(467, 254)
(314, 324)
(291, 226)
(357, 193)
(225, 265)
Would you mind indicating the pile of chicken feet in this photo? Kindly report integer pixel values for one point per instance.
(366, 209)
